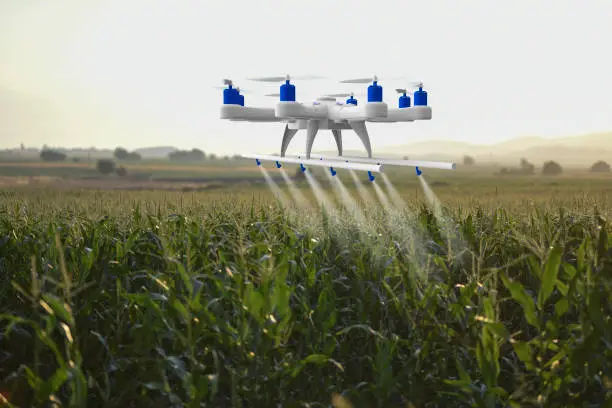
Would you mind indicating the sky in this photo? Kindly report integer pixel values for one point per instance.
(137, 73)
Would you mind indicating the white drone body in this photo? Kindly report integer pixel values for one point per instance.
(327, 114)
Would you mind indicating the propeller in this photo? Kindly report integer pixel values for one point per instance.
(341, 95)
(375, 78)
(285, 78)
(402, 91)
(229, 82)
(275, 95)
(360, 80)
(236, 88)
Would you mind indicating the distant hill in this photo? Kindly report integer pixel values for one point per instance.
(570, 151)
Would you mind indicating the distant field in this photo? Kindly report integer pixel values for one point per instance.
(152, 169)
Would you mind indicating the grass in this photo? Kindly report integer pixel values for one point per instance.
(227, 299)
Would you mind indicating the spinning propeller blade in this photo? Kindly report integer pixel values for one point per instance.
(377, 78)
(285, 78)
(403, 91)
(359, 80)
(343, 94)
(239, 89)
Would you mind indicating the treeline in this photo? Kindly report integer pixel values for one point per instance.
(122, 154)
(196, 155)
(187, 155)
(549, 168)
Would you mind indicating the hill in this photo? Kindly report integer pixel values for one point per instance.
(570, 151)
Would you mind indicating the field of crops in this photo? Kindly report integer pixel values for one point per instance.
(148, 299)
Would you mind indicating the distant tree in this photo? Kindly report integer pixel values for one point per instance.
(121, 171)
(106, 166)
(405, 157)
(52, 156)
(133, 156)
(120, 153)
(212, 156)
(526, 167)
(468, 161)
(226, 157)
(600, 167)
(551, 168)
(76, 159)
(186, 155)
(236, 157)
(198, 154)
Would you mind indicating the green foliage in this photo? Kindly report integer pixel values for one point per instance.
(49, 155)
(106, 166)
(551, 168)
(187, 155)
(122, 154)
(238, 303)
(600, 166)
(121, 171)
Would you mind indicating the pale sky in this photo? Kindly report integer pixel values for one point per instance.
(137, 73)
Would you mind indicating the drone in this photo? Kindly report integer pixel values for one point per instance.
(327, 113)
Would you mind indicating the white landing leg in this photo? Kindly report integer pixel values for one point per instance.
(287, 136)
(338, 136)
(360, 128)
(311, 132)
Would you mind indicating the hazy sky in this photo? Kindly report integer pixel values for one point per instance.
(142, 72)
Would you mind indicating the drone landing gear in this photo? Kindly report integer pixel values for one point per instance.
(311, 131)
(338, 136)
(360, 128)
(287, 136)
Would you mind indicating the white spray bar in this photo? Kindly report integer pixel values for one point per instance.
(375, 168)
(394, 162)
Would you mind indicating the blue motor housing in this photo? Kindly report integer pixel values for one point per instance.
(230, 96)
(287, 92)
(420, 97)
(404, 101)
(351, 101)
(241, 100)
(375, 92)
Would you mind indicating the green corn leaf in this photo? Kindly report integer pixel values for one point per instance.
(518, 293)
(549, 277)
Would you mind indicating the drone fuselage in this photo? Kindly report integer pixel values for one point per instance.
(292, 111)
(327, 114)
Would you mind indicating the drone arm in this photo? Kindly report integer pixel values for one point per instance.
(248, 113)
(405, 114)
